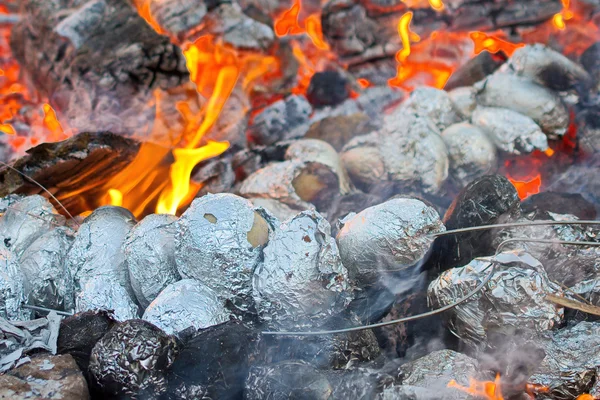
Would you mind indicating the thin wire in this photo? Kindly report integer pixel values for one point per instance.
(48, 310)
(441, 309)
(513, 225)
(42, 187)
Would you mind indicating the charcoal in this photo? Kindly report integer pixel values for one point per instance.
(132, 358)
(285, 380)
(389, 237)
(588, 130)
(359, 383)
(12, 292)
(579, 178)
(590, 60)
(215, 175)
(318, 151)
(277, 208)
(48, 282)
(375, 100)
(106, 293)
(25, 221)
(183, 304)
(487, 200)
(301, 281)
(79, 334)
(283, 120)
(338, 130)
(213, 363)
(464, 100)
(472, 153)
(546, 67)
(297, 184)
(514, 298)
(432, 103)
(511, 132)
(150, 256)
(474, 70)
(407, 152)
(526, 97)
(219, 242)
(178, 17)
(563, 203)
(327, 88)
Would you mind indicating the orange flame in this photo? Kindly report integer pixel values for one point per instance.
(492, 44)
(51, 123)
(527, 187)
(487, 390)
(315, 31)
(558, 20)
(585, 396)
(287, 22)
(363, 83)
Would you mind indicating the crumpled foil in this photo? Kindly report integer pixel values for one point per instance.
(219, 242)
(433, 103)
(150, 256)
(514, 298)
(391, 236)
(572, 362)
(277, 208)
(26, 220)
(105, 293)
(48, 281)
(301, 281)
(132, 358)
(287, 380)
(17, 338)
(511, 132)
(12, 292)
(184, 304)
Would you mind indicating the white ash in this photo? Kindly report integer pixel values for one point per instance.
(219, 242)
(283, 120)
(525, 97)
(464, 99)
(106, 293)
(12, 292)
(389, 237)
(186, 303)
(433, 103)
(511, 131)
(301, 282)
(472, 153)
(48, 281)
(150, 256)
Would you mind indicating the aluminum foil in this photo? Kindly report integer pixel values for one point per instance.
(150, 256)
(514, 298)
(433, 103)
(572, 362)
(105, 293)
(511, 132)
(25, 221)
(48, 281)
(472, 153)
(526, 97)
(12, 293)
(407, 151)
(184, 304)
(464, 100)
(132, 358)
(219, 242)
(301, 281)
(388, 237)
(277, 208)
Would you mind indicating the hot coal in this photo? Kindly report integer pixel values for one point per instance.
(588, 130)
(301, 282)
(579, 178)
(283, 120)
(184, 304)
(327, 88)
(219, 242)
(131, 360)
(12, 291)
(150, 256)
(474, 70)
(590, 60)
(434, 104)
(389, 238)
(338, 130)
(212, 363)
(541, 204)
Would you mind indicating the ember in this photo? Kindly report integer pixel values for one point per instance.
(485, 390)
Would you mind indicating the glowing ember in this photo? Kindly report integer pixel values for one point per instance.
(585, 397)
(8, 129)
(527, 187)
(558, 20)
(485, 389)
(287, 22)
(315, 31)
(363, 83)
(492, 44)
(51, 123)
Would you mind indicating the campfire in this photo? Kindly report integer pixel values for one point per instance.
(320, 199)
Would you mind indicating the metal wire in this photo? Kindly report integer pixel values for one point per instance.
(48, 310)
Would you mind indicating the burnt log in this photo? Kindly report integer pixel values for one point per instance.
(83, 163)
(97, 60)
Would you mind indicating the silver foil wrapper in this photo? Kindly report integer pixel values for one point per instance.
(150, 256)
(301, 281)
(48, 281)
(131, 359)
(25, 221)
(184, 304)
(472, 153)
(105, 293)
(219, 242)
(388, 237)
(277, 208)
(408, 151)
(511, 131)
(12, 292)
(514, 297)
(433, 103)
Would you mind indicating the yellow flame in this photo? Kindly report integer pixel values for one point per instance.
(558, 21)
(404, 33)
(436, 4)
(116, 197)
(8, 129)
